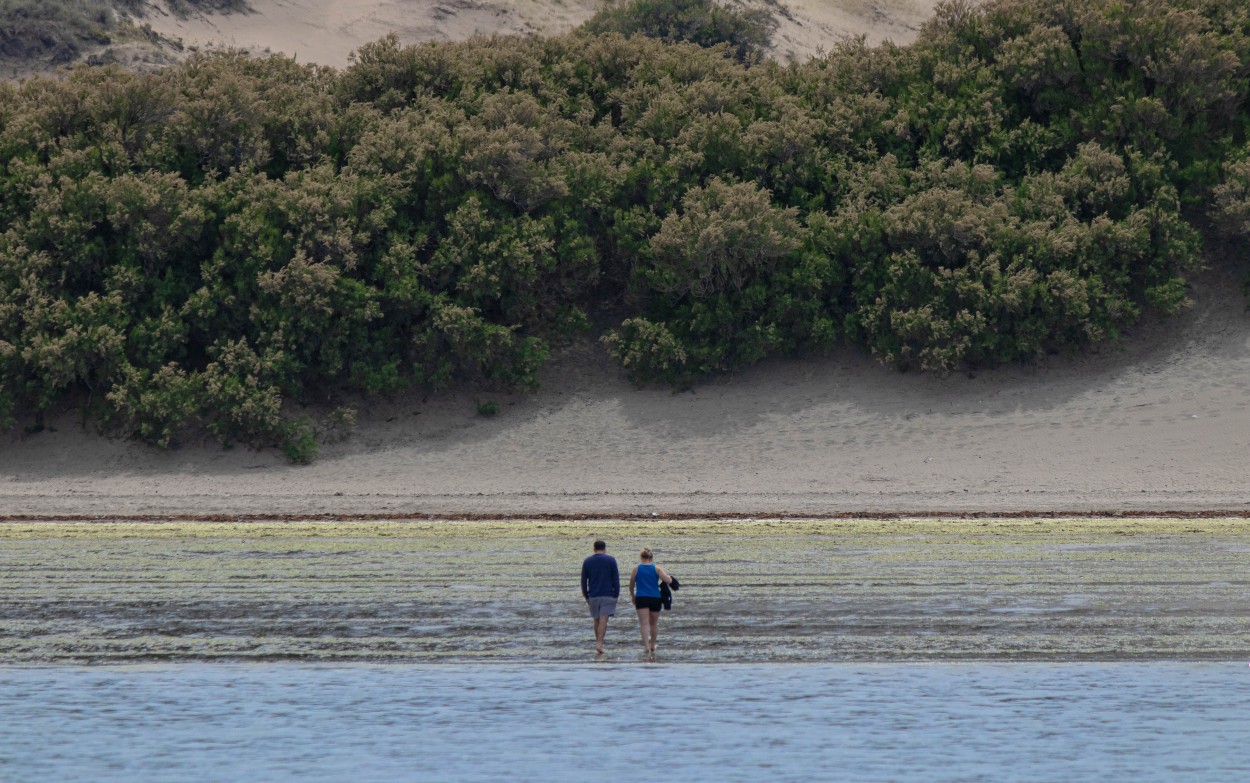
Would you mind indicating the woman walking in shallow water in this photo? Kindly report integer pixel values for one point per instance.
(644, 591)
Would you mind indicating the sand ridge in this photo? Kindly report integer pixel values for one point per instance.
(326, 32)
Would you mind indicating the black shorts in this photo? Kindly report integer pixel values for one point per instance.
(644, 602)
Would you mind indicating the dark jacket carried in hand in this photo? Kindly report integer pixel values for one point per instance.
(666, 593)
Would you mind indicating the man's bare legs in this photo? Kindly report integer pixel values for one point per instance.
(601, 631)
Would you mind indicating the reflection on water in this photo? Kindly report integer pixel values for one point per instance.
(965, 722)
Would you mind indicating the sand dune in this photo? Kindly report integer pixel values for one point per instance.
(328, 31)
(1159, 422)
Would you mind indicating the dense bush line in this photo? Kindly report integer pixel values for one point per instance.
(215, 244)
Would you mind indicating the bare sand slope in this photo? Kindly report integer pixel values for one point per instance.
(1160, 422)
(328, 31)
(807, 27)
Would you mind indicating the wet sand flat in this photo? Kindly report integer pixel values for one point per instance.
(753, 591)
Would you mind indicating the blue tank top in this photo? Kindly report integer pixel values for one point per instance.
(647, 581)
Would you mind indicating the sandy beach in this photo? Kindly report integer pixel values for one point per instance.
(1158, 422)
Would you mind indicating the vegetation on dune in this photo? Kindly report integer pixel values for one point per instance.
(61, 31)
(213, 245)
(184, 7)
(53, 31)
(747, 31)
(1232, 201)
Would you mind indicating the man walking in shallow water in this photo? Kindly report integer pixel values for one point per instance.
(601, 587)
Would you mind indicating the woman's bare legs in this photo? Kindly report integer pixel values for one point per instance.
(655, 629)
(645, 625)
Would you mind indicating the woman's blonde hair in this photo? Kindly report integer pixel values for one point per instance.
(646, 553)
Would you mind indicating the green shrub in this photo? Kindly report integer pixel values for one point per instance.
(649, 351)
(487, 409)
(37, 30)
(747, 32)
(299, 442)
(186, 7)
(725, 237)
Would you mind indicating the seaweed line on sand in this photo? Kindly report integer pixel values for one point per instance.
(632, 516)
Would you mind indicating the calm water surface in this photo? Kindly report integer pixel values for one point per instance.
(694, 722)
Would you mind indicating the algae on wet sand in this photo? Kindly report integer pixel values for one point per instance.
(755, 590)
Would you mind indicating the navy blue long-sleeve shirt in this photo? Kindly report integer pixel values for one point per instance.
(600, 578)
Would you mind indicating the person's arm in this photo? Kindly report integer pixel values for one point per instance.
(586, 581)
(633, 575)
(616, 581)
(668, 580)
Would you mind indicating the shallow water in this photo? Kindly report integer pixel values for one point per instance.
(751, 722)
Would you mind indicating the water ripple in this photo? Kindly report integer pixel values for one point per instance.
(466, 723)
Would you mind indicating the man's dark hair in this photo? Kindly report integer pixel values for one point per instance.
(600, 546)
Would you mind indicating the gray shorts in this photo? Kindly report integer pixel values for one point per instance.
(602, 606)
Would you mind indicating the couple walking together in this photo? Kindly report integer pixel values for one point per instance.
(601, 587)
